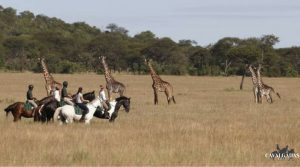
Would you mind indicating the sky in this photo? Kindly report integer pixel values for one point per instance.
(204, 21)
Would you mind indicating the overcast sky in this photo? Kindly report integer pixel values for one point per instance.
(205, 21)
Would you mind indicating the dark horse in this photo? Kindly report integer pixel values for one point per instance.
(18, 109)
(48, 110)
(121, 101)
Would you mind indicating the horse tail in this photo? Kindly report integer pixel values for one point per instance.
(10, 108)
(56, 114)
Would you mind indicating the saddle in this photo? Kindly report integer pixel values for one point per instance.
(28, 106)
(99, 109)
(61, 103)
(77, 110)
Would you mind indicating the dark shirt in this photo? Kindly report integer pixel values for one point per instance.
(29, 95)
(64, 92)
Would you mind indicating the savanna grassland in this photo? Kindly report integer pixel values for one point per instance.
(213, 123)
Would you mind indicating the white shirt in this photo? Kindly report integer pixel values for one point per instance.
(78, 98)
(57, 95)
(102, 95)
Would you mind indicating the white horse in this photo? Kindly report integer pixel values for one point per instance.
(67, 114)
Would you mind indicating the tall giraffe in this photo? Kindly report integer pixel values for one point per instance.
(112, 85)
(160, 85)
(265, 90)
(50, 82)
(256, 91)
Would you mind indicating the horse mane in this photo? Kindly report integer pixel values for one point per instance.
(85, 94)
(46, 100)
(122, 98)
(91, 92)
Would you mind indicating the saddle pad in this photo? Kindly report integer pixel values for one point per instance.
(78, 110)
(28, 106)
(99, 109)
(62, 103)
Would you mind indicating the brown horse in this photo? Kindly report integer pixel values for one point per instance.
(18, 109)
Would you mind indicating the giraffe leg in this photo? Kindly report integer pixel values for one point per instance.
(109, 94)
(259, 97)
(269, 98)
(255, 95)
(173, 98)
(168, 98)
(121, 92)
(47, 90)
(155, 96)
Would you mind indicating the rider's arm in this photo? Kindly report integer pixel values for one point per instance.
(83, 100)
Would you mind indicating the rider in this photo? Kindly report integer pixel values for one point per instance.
(80, 102)
(103, 99)
(64, 94)
(30, 97)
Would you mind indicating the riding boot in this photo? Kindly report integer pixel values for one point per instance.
(83, 116)
(106, 114)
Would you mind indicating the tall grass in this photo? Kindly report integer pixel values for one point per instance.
(212, 124)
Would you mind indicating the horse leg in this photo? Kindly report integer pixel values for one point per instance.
(16, 118)
(16, 115)
(113, 116)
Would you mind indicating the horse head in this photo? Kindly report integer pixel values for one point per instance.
(125, 101)
(89, 96)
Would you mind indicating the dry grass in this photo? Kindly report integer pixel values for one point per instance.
(213, 123)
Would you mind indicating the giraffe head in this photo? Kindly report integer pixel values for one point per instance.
(259, 67)
(40, 59)
(102, 58)
(146, 61)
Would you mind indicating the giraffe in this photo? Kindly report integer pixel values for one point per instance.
(50, 82)
(112, 85)
(255, 84)
(160, 85)
(265, 90)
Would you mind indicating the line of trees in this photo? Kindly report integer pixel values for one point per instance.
(75, 47)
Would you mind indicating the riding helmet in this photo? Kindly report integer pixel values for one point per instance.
(30, 86)
(65, 83)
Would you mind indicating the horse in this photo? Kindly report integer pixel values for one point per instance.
(120, 101)
(67, 113)
(18, 109)
(48, 110)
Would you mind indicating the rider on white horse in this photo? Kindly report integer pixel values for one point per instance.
(103, 98)
(80, 103)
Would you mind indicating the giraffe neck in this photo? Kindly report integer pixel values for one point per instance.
(259, 80)
(48, 77)
(154, 76)
(107, 75)
(254, 77)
